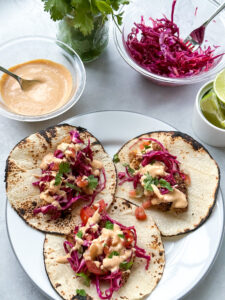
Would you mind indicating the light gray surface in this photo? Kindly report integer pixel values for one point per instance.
(111, 84)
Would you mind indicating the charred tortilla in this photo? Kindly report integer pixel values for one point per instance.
(204, 174)
(140, 282)
(24, 162)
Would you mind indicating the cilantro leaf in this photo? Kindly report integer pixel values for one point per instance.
(92, 182)
(74, 187)
(57, 8)
(109, 225)
(165, 184)
(79, 234)
(64, 167)
(148, 181)
(58, 178)
(126, 265)
(86, 278)
(113, 253)
(116, 158)
(81, 292)
(129, 169)
(122, 236)
(104, 7)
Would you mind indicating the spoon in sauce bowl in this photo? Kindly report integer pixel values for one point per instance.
(25, 84)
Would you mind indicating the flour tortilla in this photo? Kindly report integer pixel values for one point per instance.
(24, 161)
(204, 173)
(141, 282)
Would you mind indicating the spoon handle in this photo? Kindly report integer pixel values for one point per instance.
(10, 74)
(221, 7)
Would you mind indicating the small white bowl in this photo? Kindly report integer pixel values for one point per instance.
(206, 131)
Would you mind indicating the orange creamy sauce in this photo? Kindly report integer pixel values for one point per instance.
(52, 90)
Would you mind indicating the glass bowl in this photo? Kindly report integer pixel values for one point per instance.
(189, 14)
(24, 49)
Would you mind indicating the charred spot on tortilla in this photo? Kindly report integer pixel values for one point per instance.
(23, 164)
(200, 167)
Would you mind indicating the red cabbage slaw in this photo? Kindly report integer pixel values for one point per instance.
(79, 167)
(114, 279)
(162, 155)
(160, 49)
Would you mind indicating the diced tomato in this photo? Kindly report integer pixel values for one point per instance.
(187, 179)
(147, 203)
(55, 166)
(129, 238)
(101, 205)
(86, 213)
(92, 268)
(132, 193)
(143, 144)
(81, 182)
(140, 213)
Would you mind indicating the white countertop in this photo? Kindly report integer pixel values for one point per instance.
(111, 84)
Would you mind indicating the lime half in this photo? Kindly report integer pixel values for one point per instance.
(212, 110)
(219, 86)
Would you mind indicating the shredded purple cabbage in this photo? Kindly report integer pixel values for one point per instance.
(160, 50)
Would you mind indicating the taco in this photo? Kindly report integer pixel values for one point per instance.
(51, 174)
(170, 175)
(109, 256)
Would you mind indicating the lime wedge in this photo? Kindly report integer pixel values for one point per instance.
(212, 110)
(219, 86)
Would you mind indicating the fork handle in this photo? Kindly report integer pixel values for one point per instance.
(10, 74)
(221, 7)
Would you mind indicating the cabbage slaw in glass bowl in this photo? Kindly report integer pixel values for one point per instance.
(188, 15)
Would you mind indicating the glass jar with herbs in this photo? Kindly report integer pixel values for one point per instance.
(84, 23)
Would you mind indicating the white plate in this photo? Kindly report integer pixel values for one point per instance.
(188, 257)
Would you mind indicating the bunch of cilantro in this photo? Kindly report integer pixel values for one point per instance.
(84, 11)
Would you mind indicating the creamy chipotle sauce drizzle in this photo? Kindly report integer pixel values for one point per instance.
(52, 90)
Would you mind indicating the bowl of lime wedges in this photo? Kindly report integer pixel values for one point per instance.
(208, 120)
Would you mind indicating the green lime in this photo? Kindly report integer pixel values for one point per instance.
(219, 86)
(212, 110)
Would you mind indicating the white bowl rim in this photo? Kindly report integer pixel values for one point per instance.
(66, 106)
(197, 103)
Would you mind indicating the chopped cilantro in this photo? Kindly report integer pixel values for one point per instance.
(129, 169)
(81, 292)
(113, 253)
(147, 146)
(74, 187)
(165, 184)
(116, 158)
(92, 182)
(126, 265)
(86, 278)
(58, 179)
(109, 225)
(121, 236)
(64, 167)
(79, 234)
(148, 181)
